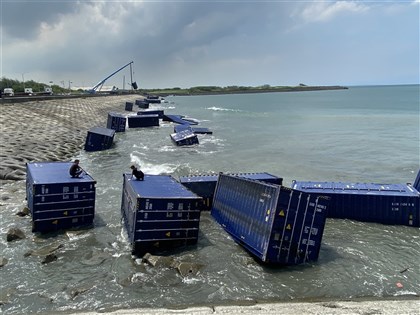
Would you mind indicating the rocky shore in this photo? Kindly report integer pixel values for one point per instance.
(50, 130)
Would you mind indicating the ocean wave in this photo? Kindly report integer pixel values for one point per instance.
(222, 109)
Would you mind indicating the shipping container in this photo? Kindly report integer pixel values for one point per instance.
(158, 112)
(159, 213)
(142, 103)
(185, 137)
(99, 138)
(276, 224)
(56, 200)
(381, 203)
(116, 122)
(128, 106)
(196, 130)
(153, 99)
(137, 121)
(205, 185)
(416, 184)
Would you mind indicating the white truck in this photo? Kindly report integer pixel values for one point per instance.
(28, 91)
(8, 92)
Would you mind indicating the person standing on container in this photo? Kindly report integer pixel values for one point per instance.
(139, 175)
(75, 169)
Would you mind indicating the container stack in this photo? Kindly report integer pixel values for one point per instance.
(99, 138)
(276, 224)
(159, 213)
(56, 200)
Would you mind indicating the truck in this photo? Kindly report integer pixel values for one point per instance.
(48, 90)
(28, 91)
(8, 92)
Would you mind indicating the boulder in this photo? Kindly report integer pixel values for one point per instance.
(186, 268)
(3, 261)
(25, 211)
(15, 234)
(158, 261)
(49, 258)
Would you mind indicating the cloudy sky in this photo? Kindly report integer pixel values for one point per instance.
(193, 42)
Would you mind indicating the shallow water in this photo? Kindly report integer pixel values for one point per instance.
(364, 134)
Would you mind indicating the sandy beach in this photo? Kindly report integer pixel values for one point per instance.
(55, 130)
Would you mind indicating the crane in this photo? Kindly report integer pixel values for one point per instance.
(101, 83)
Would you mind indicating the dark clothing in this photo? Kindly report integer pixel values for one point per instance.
(139, 175)
(75, 170)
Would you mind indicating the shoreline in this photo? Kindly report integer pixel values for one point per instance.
(50, 130)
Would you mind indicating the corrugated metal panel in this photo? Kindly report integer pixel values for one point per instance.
(204, 185)
(116, 122)
(185, 137)
(276, 224)
(143, 121)
(159, 211)
(56, 200)
(368, 202)
(99, 138)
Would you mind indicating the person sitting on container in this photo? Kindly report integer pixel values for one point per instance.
(139, 175)
(75, 169)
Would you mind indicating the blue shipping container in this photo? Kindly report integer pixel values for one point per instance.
(380, 203)
(205, 185)
(276, 224)
(56, 200)
(99, 138)
(142, 104)
(116, 122)
(185, 137)
(196, 130)
(129, 106)
(416, 183)
(158, 112)
(159, 212)
(137, 121)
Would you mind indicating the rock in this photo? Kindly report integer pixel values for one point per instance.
(25, 211)
(45, 250)
(185, 268)
(15, 234)
(3, 261)
(49, 258)
(4, 198)
(158, 261)
(75, 292)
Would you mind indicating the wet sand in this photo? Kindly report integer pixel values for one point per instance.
(50, 130)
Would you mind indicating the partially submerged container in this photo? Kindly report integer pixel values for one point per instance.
(278, 225)
(137, 121)
(129, 106)
(56, 200)
(196, 130)
(158, 112)
(142, 103)
(396, 204)
(205, 185)
(99, 138)
(159, 213)
(185, 137)
(116, 122)
(179, 119)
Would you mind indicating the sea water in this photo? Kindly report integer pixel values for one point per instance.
(362, 134)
